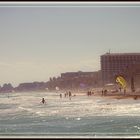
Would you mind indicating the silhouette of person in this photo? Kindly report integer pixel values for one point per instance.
(102, 92)
(136, 97)
(120, 88)
(124, 91)
(70, 95)
(43, 100)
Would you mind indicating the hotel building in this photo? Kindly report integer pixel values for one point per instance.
(113, 64)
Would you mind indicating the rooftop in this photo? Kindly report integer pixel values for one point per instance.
(120, 54)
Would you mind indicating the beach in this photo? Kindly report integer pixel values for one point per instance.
(23, 114)
(117, 95)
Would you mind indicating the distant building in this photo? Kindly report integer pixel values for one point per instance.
(78, 79)
(78, 74)
(113, 64)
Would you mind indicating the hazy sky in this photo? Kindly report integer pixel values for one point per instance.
(38, 42)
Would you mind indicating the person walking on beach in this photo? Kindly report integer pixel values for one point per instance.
(102, 92)
(120, 88)
(89, 93)
(92, 93)
(60, 95)
(135, 97)
(124, 91)
(105, 92)
(69, 95)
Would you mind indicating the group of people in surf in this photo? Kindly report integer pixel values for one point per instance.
(67, 94)
(104, 92)
(89, 93)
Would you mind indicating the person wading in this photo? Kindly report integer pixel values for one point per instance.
(43, 101)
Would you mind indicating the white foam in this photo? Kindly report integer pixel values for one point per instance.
(94, 106)
(67, 118)
(137, 127)
(28, 109)
(78, 119)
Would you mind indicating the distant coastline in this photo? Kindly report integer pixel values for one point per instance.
(76, 81)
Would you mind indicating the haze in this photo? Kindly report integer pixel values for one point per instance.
(38, 42)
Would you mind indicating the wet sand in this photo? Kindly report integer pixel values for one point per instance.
(134, 96)
(112, 95)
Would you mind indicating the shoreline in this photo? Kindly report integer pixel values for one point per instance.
(117, 95)
(111, 95)
(134, 96)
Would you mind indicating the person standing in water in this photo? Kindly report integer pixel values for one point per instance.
(43, 101)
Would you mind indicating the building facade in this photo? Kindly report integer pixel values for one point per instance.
(78, 74)
(113, 64)
(77, 79)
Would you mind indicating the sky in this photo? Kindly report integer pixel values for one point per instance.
(39, 41)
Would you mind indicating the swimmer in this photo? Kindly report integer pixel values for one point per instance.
(43, 101)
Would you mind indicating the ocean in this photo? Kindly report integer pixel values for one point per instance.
(23, 115)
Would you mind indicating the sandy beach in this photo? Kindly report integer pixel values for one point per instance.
(117, 95)
(134, 96)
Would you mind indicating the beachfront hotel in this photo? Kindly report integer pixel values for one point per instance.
(113, 64)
